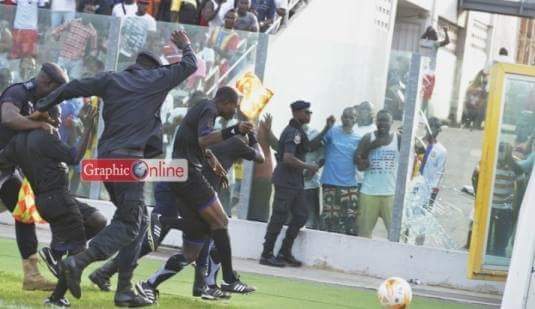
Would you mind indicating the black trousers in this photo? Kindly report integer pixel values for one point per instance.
(26, 236)
(128, 226)
(287, 201)
(67, 217)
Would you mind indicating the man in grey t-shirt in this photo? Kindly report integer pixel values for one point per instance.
(246, 21)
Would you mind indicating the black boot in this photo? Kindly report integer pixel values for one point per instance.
(126, 296)
(101, 276)
(285, 254)
(199, 284)
(267, 257)
(72, 267)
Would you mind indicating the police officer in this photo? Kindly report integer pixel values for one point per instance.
(42, 157)
(132, 129)
(289, 185)
(16, 104)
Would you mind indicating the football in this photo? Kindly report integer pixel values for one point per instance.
(395, 293)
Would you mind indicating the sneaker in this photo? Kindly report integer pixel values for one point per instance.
(146, 290)
(130, 298)
(48, 257)
(271, 260)
(289, 259)
(60, 303)
(237, 287)
(214, 293)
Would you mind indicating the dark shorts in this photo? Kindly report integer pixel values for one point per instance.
(66, 216)
(196, 192)
(171, 204)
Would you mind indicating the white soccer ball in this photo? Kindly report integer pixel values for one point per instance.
(394, 293)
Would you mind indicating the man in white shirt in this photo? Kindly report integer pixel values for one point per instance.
(125, 9)
(219, 19)
(434, 162)
(62, 11)
(137, 29)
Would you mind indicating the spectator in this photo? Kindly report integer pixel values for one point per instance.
(213, 12)
(501, 217)
(312, 181)
(164, 9)
(5, 78)
(24, 32)
(262, 188)
(27, 68)
(136, 30)
(282, 8)
(339, 181)
(225, 41)
(434, 162)
(378, 156)
(184, 11)
(101, 7)
(246, 21)
(6, 39)
(78, 35)
(265, 12)
(429, 46)
(124, 9)
(62, 11)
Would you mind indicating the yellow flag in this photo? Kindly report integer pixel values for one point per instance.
(26, 211)
(255, 95)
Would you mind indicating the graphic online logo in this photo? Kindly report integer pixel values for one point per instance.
(133, 170)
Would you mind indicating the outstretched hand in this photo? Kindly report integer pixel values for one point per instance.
(180, 39)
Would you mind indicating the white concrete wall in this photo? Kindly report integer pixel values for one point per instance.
(375, 258)
(332, 57)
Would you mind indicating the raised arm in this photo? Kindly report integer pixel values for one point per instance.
(361, 155)
(317, 141)
(446, 40)
(86, 87)
(174, 74)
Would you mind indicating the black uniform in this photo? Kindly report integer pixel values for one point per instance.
(23, 96)
(132, 128)
(43, 158)
(196, 192)
(289, 189)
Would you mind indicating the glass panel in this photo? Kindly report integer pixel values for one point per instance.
(515, 160)
(222, 57)
(439, 199)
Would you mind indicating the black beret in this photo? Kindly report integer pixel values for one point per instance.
(148, 55)
(299, 105)
(55, 73)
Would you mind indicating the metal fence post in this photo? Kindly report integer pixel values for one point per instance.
(410, 120)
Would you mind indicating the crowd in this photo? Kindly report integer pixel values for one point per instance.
(252, 15)
(349, 180)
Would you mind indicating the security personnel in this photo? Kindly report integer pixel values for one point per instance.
(132, 100)
(42, 157)
(16, 104)
(289, 185)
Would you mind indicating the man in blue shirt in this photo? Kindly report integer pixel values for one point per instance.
(265, 12)
(339, 180)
